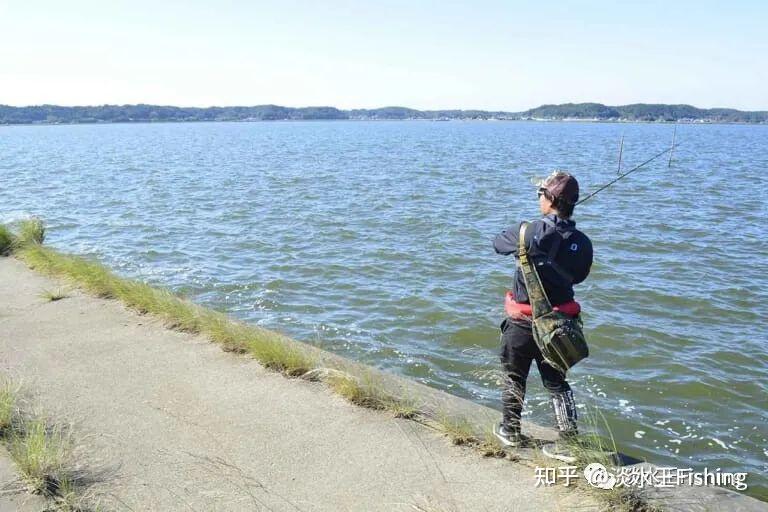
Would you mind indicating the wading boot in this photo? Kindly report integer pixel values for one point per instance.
(565, 413)
(510, 437)
(565, 417)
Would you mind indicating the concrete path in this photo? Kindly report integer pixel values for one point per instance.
(167, 421)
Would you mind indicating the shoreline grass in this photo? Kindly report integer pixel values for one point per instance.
(591, 447)
(272, 349)
(6, 241)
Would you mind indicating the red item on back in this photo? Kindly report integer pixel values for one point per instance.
(511, 307)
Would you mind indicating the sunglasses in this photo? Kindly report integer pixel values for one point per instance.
(541, 192)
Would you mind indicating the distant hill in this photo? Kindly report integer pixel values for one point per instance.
(149, 113)
(53, 114)
(644, 112)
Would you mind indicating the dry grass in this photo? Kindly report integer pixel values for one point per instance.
(54, 295)
(404, 408)
(462, 431)
(459, 430)
(8, 398)
(490, 446)
(590, 447)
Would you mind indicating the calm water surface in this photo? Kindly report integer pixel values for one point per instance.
(373, 240)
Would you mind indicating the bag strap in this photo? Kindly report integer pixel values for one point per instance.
(540, 304)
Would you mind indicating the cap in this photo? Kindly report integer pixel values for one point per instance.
(561, 185)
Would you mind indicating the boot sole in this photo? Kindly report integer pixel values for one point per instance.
(550, 450)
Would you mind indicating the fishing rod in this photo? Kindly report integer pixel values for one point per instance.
(668, 150)
(621, 152)
(669, 164)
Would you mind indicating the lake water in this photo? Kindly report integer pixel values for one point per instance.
(373, 240)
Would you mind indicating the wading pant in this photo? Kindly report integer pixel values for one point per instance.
(518, 351)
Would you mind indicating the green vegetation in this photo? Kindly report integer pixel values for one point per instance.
(8, 396)
(6, 240)
(365, 393)
(42, 453)
(31, 232)
(53, 114)
(272, 349)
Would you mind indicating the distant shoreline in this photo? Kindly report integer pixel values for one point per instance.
(573, 121)
(568, 112)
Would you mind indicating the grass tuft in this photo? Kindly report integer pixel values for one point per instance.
(490, 446)
(8, 399)
(54, 295)
(31, 232)
(40, 452)
(277, 352)
(459, 429)
(404, 409)
(365, 393)
(7, 241)
(232, 336)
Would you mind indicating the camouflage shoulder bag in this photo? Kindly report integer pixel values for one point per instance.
(559, 336)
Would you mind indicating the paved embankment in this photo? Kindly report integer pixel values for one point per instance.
(167, 421)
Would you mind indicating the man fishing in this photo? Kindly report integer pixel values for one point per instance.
(562, 256)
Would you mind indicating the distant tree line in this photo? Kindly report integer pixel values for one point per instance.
(53, 114)
(150, 113)
(645, 112)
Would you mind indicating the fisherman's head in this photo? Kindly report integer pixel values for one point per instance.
(558, 194)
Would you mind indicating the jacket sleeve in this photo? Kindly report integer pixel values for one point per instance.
(506, 242)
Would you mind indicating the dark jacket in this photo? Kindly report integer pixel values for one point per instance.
(571, 262)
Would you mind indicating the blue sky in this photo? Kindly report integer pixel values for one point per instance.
(433, 54)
